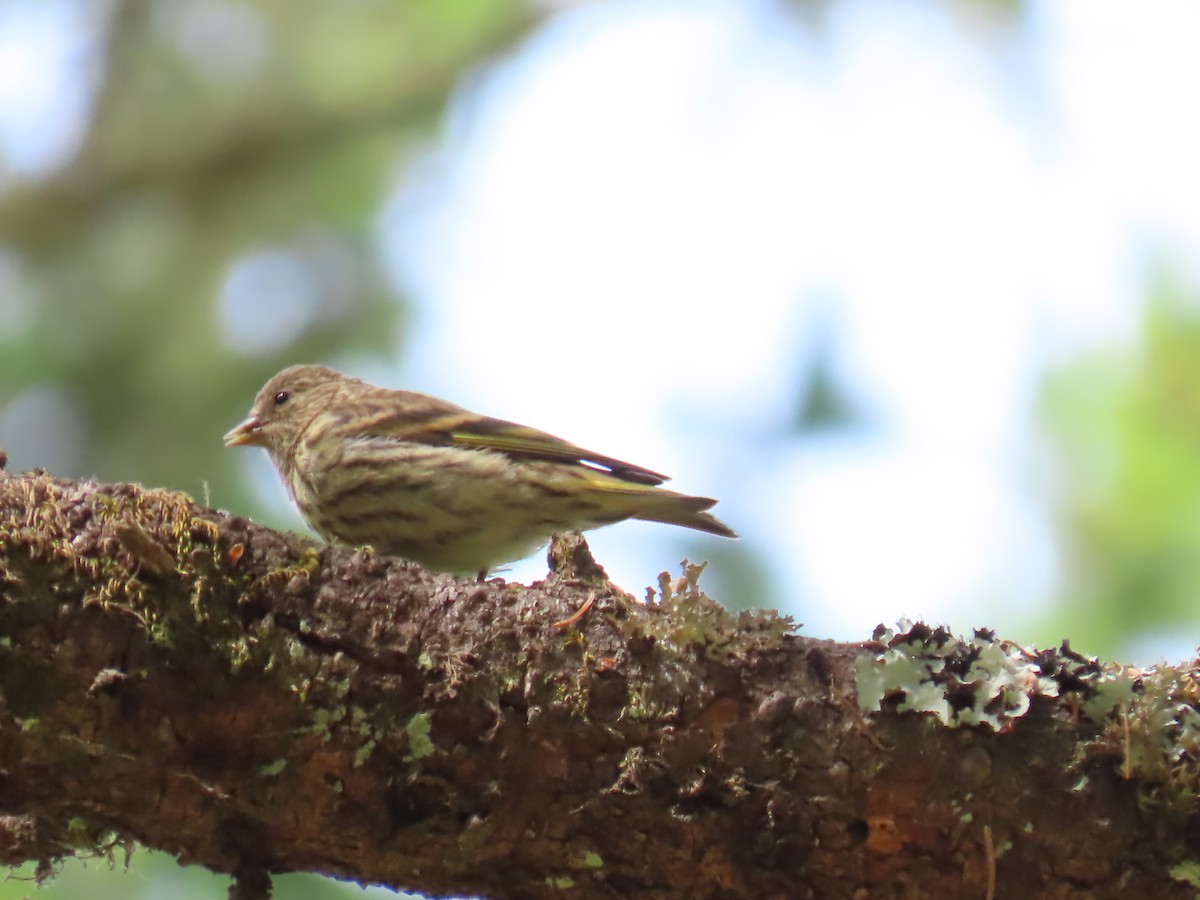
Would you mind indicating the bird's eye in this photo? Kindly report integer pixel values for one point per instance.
(281, 398)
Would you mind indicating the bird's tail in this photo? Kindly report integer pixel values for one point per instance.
(680, 509)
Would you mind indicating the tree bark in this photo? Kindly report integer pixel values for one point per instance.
(256, 703)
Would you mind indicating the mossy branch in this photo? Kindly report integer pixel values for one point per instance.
(256, 703)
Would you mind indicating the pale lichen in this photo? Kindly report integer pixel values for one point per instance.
(1149, 719)
(980, 681)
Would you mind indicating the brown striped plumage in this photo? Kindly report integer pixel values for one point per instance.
(424, 479)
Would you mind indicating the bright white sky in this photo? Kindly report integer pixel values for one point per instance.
(637, 224)
(642, 217)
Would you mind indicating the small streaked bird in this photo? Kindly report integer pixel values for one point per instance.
(421, 478)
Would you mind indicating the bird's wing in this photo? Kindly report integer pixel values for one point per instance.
(521, 442)
(427, 420)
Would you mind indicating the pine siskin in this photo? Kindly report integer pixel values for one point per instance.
(424, 479)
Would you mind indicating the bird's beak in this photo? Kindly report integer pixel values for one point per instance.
(247, 434)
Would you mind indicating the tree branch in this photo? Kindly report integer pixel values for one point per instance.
(258, 704)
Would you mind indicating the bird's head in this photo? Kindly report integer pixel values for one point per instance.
(285, 406)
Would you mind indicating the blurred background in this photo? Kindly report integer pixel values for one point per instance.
(911, 286)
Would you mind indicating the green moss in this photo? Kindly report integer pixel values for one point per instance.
(418, 729)
(644, 706)
(472, 839)
(364, 751)
(167, 584)
(1188, 872)
(696, 620)
(1156, 724)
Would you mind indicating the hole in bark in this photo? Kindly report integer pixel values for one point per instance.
(858, 831)
(408, 807)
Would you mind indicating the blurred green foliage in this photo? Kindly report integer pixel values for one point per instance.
(1125, 430)
(258, 138)
(216, 222)
(158, 875)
